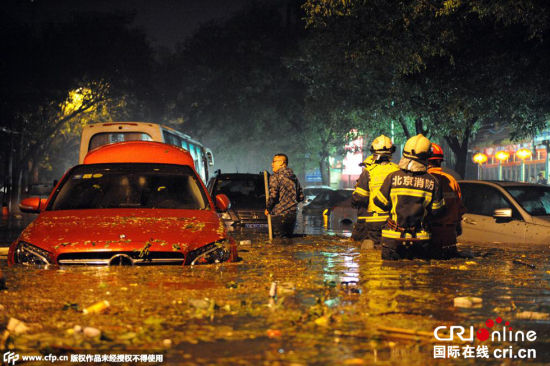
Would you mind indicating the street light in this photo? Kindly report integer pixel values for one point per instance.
(523, 154)
(479, 158)
(501, 157)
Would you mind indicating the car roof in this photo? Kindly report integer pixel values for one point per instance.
(237, 175)
(139, 152)
(502, 183)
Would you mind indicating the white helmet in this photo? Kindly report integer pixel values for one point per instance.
(382, 145)
(417, 148)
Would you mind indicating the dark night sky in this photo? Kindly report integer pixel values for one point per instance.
(165, 22)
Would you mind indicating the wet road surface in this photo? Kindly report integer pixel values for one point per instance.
(316, 299)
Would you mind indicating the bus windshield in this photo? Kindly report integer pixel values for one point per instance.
(105, 138)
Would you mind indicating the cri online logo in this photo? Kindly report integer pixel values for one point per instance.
(483, 334)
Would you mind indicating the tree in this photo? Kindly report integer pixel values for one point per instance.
(94, 58)
(227, 85)
(447, 66)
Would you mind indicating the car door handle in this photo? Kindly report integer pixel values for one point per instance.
(469, 221)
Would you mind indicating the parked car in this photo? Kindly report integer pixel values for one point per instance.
(247, 195)
(41, 190)
(505, 212)
(310, 192)
(129, 203)
(324, 200)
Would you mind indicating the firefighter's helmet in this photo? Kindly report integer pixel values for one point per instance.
(417, 148)
(437, 152)
(382, 145)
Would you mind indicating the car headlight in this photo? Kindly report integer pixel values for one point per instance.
(217, 252)
(29, 254)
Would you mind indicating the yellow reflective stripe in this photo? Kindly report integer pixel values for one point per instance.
(361, 191)
(412, 192)
(376, 218)
(381, 198)
(391, 234)
(437, 205)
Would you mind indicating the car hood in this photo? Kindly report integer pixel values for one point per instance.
(541, 220)
(123, 230)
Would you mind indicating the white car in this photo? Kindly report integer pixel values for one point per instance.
(505, 213)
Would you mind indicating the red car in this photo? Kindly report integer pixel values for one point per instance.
(130, 203)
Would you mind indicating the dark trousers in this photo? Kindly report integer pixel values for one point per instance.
(368, 230)
(393, 249)
(283, 225)
(443, 241)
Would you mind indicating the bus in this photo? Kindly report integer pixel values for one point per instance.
(95, 135)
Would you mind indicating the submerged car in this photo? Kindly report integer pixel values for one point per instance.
(129, 203)
(505, 212)
(341, 216)
(310, 192)
(247, 195)
(326, 199)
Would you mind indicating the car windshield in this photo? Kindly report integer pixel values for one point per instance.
(130, 186)
(243, 192)
(534, 199)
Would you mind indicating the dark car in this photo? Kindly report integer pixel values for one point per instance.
(326, 199)
(505, 212)
(247, 195)
(341, 216)
(310, 192)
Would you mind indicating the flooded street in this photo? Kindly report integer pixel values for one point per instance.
(316, 299)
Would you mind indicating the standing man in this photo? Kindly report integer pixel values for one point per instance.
(410, 195)
(541, 179)
(371, 218)
(284, 194)
(446, 227)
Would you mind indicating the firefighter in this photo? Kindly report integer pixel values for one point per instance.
(446, 227)
(410, 195)
(370, 218)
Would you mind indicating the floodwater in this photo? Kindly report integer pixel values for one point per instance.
(315, 299)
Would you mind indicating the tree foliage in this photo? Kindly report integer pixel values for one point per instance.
(448, 66)
(58, 76)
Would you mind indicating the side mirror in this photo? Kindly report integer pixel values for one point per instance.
(33, 204)
(502, 213)
(222, 202)
(209, 157)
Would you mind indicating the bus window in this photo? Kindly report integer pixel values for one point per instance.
(105, 138)
(171, 139)
(193, 152)
(184, 145)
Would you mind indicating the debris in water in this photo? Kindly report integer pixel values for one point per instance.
(16, 326)
(91, 332)
(517, 261)
(98, 307)
(273, 289)
(467, 302)
(532, 315)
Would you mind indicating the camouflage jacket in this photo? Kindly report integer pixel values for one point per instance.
(284, 192)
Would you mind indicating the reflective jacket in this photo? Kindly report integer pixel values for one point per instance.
(410, 197)
(367, 187)
(454, 209)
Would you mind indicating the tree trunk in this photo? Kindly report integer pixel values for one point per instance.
(460, 148)
(324, 166)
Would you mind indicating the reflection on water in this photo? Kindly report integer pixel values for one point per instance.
(334, 304)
